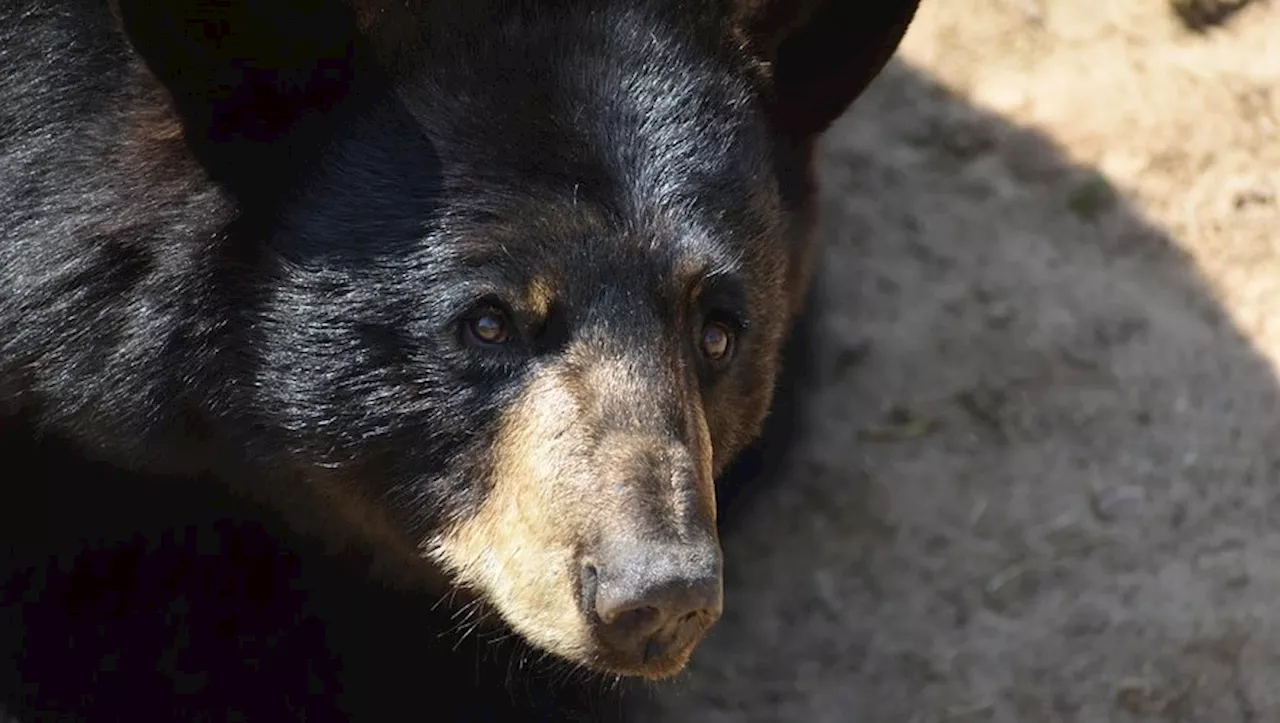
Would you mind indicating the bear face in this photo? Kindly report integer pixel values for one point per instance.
(554, 419)
(500, 285)
(604, 268)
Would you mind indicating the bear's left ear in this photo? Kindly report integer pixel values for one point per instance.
(822, 53)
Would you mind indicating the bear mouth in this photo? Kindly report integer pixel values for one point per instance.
(664, 653)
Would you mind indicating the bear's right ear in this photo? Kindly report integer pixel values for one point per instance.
(821, 53)
(244, 75)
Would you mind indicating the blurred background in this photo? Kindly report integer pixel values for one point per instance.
(1040, 474)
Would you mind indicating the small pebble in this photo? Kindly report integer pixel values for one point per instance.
(1122, 502)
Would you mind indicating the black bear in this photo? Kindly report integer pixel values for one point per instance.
(482, 295)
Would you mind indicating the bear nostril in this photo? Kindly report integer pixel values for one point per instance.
(634, 618)
(590, 586)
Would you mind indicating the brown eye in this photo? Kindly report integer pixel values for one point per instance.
(487, 328)
(717, 341)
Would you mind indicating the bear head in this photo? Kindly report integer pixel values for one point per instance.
(505, 281)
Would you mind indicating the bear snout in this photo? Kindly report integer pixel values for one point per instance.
(650, 601)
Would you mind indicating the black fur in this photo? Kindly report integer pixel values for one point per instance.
(131, 598)
(235, 243)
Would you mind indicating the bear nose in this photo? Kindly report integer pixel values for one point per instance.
(649, 599)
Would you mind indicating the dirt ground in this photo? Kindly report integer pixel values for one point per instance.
(1040, 483)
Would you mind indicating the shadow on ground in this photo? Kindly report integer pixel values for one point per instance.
(1036, 478)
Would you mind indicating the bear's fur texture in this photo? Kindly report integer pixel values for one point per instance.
(481, 296)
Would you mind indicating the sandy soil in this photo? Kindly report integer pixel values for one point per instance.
(1040, 483)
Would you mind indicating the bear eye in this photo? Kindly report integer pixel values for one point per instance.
(488, 326)
(717, 341)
